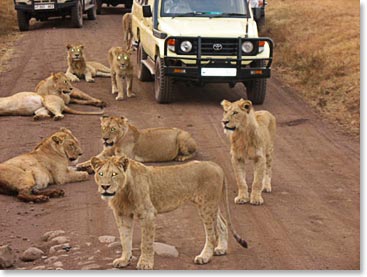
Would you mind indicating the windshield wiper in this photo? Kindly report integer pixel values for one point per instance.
(189, 14)
(228, 14)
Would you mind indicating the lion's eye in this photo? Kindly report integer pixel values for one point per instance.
(113, 129)
(234, 113)
(114, 174)
(126, 57)
(65, 82)
(100, 173)
(72, 50)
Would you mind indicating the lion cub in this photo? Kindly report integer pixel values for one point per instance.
(78, 67)
(28, 175)
(121, 68)
(146, 145)
(134, 190)
(252, 137)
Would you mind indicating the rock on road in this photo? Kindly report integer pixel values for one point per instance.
(309, 221)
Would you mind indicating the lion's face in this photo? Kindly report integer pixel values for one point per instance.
(67, 144)
(235, 113)
(61, 83)
(110, 175)
(113, 128)
(123, 59)
(75, 52)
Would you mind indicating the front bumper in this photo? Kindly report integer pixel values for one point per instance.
(55, 10)
(193, 68)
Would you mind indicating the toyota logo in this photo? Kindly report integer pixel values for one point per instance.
(217, 46)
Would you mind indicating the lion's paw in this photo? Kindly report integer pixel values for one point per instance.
(256, 199)
(201, 260)
(119, 98)
(57, 193)
(90, 80)
(114, 91)
(220, 251)
(121, 262)
(58, 117)
(144, 264)
(267, 188)
(240, 199)
(41, 199)
(132, 94)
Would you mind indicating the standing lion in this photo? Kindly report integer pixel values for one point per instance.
(121, 72)
(127, 33)
(134, 190)
(252, 137)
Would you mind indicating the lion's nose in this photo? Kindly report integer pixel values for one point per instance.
(225, 122)
(105, 139)
(80, 154)
(105, 187)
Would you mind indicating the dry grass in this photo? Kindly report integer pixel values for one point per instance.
(8, 32)
(317, 48)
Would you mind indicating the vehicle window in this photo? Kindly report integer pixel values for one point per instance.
(207, 8)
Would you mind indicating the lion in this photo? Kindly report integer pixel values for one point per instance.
(58, 83)
(252, 137)
(49, 99)
(127, 29)
(121, 68)
(146, 145)
(28, 175)
(78, 67)
(134, 190)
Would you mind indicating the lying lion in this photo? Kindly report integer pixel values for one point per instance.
(78, 67)
(252, 137)
(58, 82)
(127, 33)
(47, 100)
(134, 190)
(29, 174)
(121, 69)
(147, 145)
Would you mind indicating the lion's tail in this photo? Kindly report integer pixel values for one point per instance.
(237, 237)
(72, 111)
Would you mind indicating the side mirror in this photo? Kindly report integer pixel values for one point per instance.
(147, 11)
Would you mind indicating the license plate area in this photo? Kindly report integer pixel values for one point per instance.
(218, 72)
(48, 6)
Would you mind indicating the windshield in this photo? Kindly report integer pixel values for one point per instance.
(204, 8)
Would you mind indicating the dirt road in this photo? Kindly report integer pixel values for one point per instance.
(309, 221)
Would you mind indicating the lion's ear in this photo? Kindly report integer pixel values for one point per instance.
(103, 117)
(65, 130)
(225, 104)
(96, 163)
(81, 46)
(123, 162)
(68, 46)
(246, 105)
(54, 76)
(57, 139)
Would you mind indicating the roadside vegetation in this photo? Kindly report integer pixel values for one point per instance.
(317, 51)
(8, 32)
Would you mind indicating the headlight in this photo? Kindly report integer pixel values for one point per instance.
(247, 47)
(186, 46)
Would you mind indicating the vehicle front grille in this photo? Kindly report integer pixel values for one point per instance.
(219, 47)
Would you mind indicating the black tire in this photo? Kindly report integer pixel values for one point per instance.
(128, 4)
(256, 89)
(92, 13)
(143, 72)
(163, 85)
(23, 21)
(99, 6)
(77, 15)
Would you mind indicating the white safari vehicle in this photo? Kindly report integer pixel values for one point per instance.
(200, 41)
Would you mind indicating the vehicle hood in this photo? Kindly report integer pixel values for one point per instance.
(205, 27)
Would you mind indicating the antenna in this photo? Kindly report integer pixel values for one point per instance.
(249, 10)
